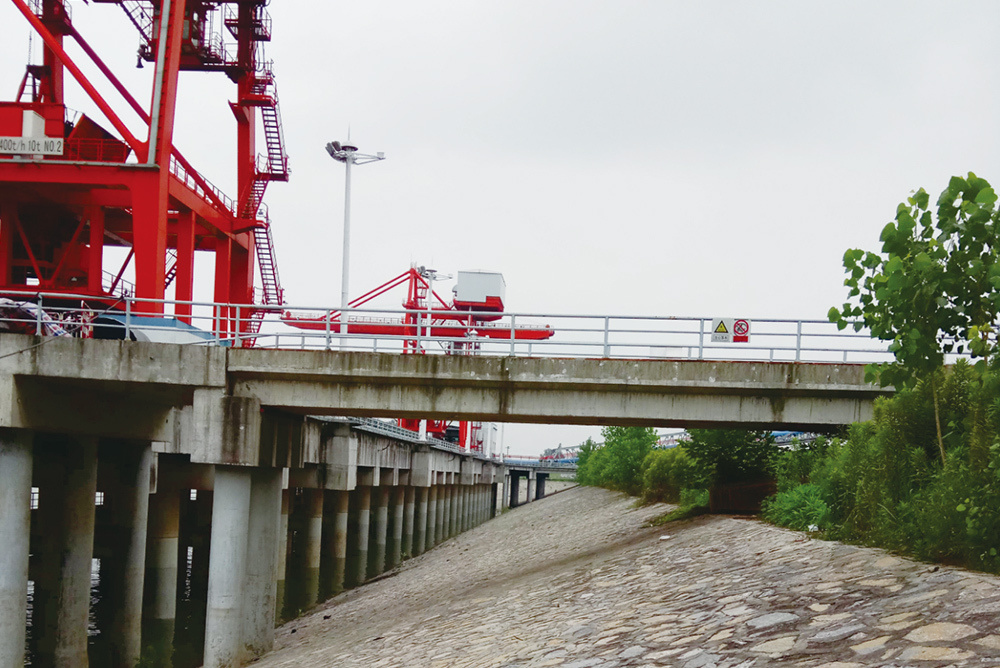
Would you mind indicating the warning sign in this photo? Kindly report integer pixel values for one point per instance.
(741, 331)
(722, 330)
(730, 330)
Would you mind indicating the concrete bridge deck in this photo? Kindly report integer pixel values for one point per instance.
(194, 447)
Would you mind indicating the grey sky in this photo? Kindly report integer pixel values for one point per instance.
(662, 158)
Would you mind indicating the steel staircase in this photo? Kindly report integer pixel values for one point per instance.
(273, 294)
(272, 166)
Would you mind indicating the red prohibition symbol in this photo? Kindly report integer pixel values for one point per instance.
(741, 327)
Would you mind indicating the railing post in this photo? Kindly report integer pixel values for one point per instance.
(701, 338)
(420, 320)
(607, 332)
(513, 332)
(38, 316)
(239, 336)
(128, 318)
(798, 341)
(328, 316)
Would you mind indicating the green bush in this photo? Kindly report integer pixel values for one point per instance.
(798, 508)
(665, 473)
(694, 498)
(732, 455)
(884, 484)
(617, 464)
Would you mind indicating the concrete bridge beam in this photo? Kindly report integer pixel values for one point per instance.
(16, 457)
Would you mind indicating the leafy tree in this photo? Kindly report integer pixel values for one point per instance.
(626, 448)
(732, 455)
(584, 462)
(933, 289)
(617, 464)
(665, 473)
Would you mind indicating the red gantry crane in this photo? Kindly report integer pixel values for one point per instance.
(70, 188)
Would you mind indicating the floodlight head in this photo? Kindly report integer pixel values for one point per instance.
(380, 155)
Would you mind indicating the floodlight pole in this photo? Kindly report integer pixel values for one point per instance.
(348, 155)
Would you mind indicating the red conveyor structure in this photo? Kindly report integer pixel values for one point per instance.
(470, 317)
(456, 319)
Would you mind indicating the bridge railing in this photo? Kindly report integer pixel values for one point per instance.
(537, 334)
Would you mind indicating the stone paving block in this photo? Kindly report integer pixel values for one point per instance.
(577, 580)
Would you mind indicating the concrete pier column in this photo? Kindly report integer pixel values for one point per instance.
(432, 506)
(505, 494)
(380, 496)
(284, 545)
(460, 512)
(446, 495)
(160, 587)
(456, 510)
(227, 567)
(408, 503)
(124, 472)
(398, 518)
(67, 486)
(15, 519)
(420, 526)
(474, 501)
(360, 521)
(482, 503)
(453, 497)
(312, 545)
(469, 507)
(442, 509)
(334, 543)
(264, 543)
(531, 488)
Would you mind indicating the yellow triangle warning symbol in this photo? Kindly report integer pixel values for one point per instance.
(721, 329)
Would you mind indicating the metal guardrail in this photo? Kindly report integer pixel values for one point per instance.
(580, 336)
(537, 463)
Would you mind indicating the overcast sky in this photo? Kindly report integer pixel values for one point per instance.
(657, 157)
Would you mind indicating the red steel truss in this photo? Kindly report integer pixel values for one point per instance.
(79, 188)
